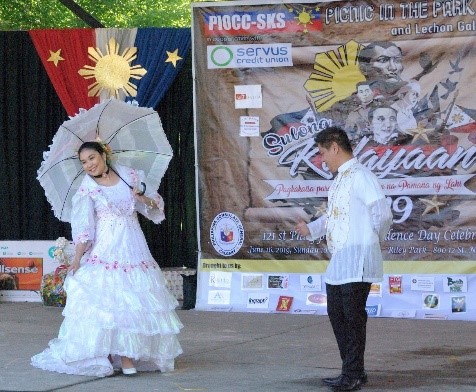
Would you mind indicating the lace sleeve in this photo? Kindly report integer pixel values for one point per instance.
(370, 192)
(82, 217)
(317, 228)
(156, 215)
(381, 217)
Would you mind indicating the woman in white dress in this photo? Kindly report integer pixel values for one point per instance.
(118, 309)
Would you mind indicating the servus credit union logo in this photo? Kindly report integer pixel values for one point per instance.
(249, 56)
(227, 233)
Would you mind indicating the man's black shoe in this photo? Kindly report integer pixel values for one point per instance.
(330, 381)
(364, 378)
(347, 384)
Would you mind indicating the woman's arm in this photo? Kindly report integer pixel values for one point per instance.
(79, 252)
(150, 202)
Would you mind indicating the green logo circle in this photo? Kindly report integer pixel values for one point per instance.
(228, 56)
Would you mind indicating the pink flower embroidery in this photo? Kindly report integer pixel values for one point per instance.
(116, 265)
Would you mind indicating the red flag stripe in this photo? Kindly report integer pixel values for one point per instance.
(72, 44)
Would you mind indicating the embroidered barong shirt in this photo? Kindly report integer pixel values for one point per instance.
(358, 217)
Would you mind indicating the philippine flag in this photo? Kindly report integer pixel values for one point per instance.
(87, 66)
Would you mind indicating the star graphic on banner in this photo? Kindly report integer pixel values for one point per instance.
(173, 57)
(420, 133)
(55, 57)
(432, 204)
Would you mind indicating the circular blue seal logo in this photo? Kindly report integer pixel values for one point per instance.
(227, 233)
(51, 251)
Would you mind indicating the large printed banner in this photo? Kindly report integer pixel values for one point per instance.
(22, 266)
(399, 77)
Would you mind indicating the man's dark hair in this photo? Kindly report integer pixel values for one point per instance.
(362, 83)
(333, 134)
(365, 54)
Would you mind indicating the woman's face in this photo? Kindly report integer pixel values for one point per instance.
(411, 98)
(384, 124)
(93, 162)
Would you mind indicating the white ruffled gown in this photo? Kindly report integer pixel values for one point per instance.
(117, 301)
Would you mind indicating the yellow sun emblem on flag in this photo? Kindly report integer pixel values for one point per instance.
(457, 118)
(112, 71)
(304, 17)
(336, 72)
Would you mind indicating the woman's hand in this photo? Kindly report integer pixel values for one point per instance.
(74, 266)
(150, 203)
(80, 249)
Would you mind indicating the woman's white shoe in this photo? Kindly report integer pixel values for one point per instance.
(129, 371)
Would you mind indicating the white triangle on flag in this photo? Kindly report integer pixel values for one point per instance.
(458, 117)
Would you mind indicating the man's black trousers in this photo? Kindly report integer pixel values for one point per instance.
(346, 310)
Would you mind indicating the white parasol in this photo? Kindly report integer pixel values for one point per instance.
(134, 134)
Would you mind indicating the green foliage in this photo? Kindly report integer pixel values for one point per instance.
(41, 14)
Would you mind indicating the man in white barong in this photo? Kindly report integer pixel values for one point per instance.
(357, 219)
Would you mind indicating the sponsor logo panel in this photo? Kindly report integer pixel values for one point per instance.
(284, 303)
(258, 301)
(249, 56)
(311, 282)
(21, 273)
(373, 310)
(316, 299)
(278, 281)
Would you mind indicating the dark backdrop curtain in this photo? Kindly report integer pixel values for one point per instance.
(31, 112)
(177, 239)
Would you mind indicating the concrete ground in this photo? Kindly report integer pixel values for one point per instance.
(247, 352)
